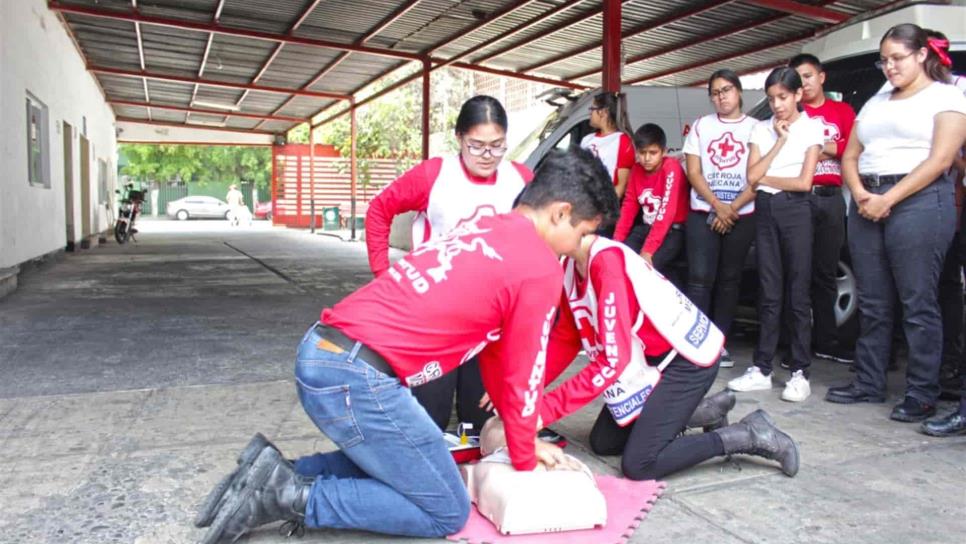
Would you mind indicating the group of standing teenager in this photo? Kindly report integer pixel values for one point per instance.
(780, 182)
(509, 279)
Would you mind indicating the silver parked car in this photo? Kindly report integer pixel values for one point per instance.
(197, 207)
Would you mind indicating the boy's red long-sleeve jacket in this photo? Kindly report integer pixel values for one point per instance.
(489, 288)
(660, 196)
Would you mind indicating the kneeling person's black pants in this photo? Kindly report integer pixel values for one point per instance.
(437, 396)
(650, 445)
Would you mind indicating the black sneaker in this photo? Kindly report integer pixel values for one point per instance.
(835, 353)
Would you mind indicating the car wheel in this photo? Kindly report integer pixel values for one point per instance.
(182, 215)
(268, 216)
(846, 304)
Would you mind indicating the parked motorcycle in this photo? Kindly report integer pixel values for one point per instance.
(130, 208)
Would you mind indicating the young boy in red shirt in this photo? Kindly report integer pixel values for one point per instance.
(490, 288)
(828, 205)
(655, 205)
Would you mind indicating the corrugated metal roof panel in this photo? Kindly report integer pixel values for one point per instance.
(453, 24)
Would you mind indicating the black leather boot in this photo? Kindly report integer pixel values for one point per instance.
(209, 508)
(712, 413)
(270, 491)
(756, 434)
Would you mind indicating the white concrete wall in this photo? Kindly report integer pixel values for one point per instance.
(128, 131)
(38, 56)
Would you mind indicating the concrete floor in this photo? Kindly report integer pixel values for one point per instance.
(133, 374)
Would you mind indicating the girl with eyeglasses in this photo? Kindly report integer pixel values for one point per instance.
(721, 223)
(609, 143)
(445, 192)
(902, 216)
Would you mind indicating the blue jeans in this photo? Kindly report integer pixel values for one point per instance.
(393, 473)
(899, 260)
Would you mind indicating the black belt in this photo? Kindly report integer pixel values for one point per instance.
(871, 181)
(826, 190)
(365, 353)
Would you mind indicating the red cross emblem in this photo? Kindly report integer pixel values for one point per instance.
(726, 151)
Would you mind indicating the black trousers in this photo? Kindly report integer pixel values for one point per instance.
(783, 241)
(651, 446)
(465, 382)
(664, 258)
(951, 303)
(715, 264)
(828, 232)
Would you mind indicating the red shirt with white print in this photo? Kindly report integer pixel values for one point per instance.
(444, 193)
(661, 196)
(490, 287)
(615, 151)
(837, 119)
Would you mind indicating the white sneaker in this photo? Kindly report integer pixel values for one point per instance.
(751, 380)
(797, 388)
(725, 361)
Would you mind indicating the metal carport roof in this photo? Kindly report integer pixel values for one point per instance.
(268, 65)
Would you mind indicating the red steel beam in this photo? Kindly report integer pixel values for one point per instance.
(721, 59)
(426, 104)
(54, 5)
(647, 27)
(202, 111)
(611, 46)
(192, 125)
(213, 83)
(815, 13)
(519, 4)
(573, 21)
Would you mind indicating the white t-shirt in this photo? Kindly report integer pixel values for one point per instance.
(897, 134)
(722, 145)
(804, 133)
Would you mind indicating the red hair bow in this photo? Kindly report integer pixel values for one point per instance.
(940, 48)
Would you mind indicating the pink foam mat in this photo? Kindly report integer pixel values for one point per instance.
(628, 503)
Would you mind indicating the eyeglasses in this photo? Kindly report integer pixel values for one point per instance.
(891, 61)
(722, 91)
(478, 150)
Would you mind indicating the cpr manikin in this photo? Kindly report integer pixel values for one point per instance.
(563, 498)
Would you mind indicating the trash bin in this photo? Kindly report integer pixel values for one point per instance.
(330, 218)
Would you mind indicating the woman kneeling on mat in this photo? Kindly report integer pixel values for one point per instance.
(634, 323)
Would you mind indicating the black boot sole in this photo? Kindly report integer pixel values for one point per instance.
(911, 419)
(209, 508)
(842, 399)
(254, 480)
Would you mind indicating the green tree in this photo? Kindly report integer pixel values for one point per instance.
(199, 164)
(390, 127)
